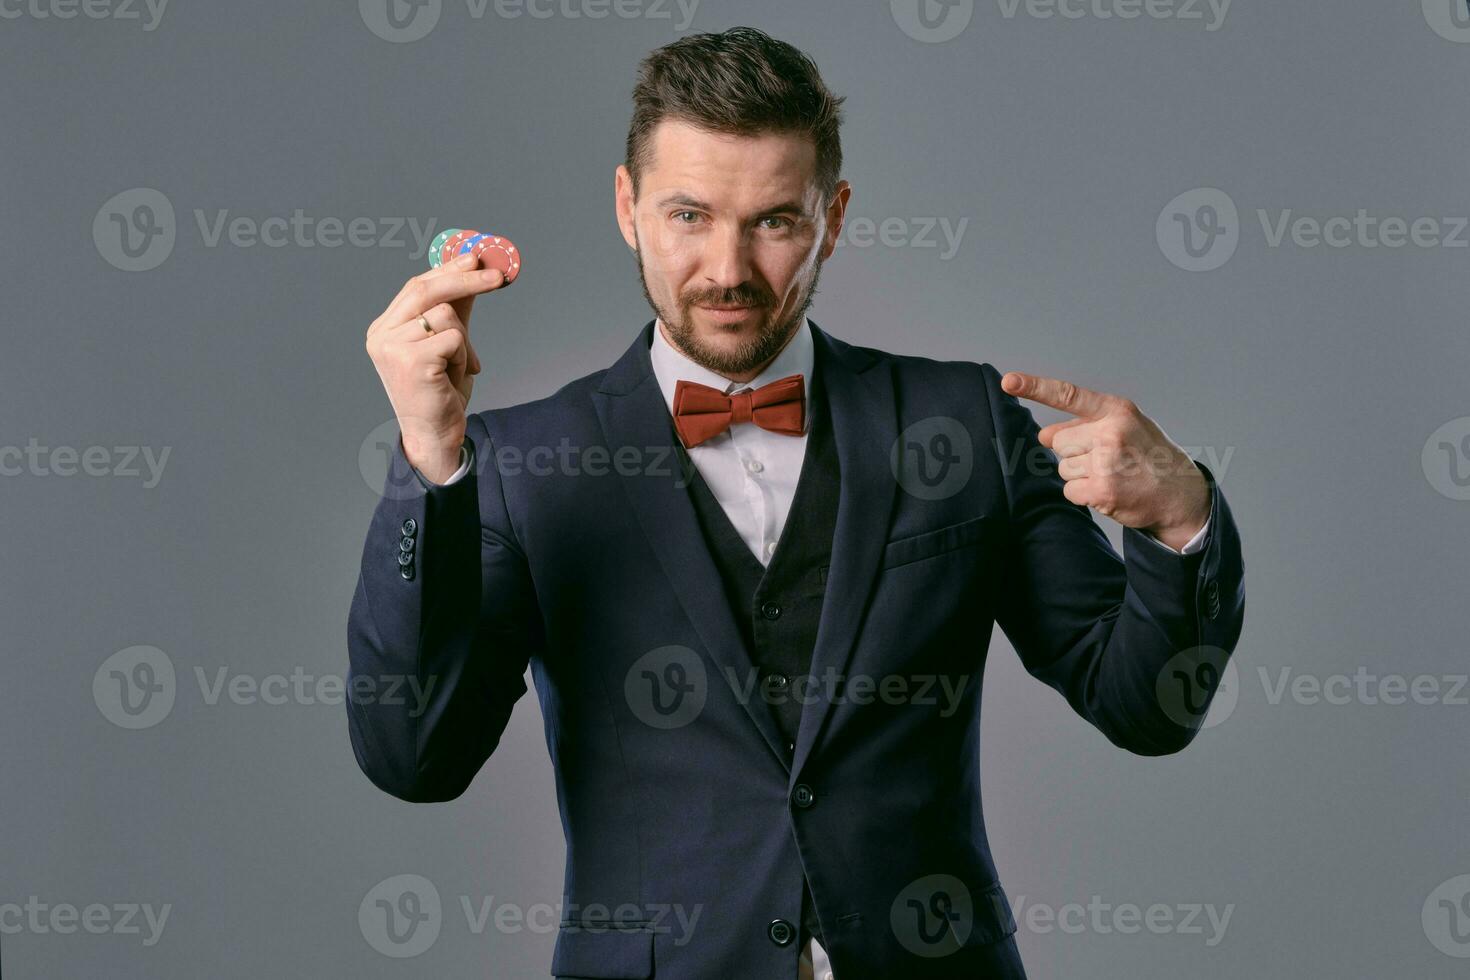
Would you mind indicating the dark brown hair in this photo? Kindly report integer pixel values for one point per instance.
(741, 82)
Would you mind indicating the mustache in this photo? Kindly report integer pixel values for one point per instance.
(728, 297)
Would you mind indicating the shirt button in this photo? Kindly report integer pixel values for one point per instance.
(771, 610)
(781, 932)
(803, 796)
(770, 548)
(754, 465)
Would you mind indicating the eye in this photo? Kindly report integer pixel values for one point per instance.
(679, 216)
(784, 222)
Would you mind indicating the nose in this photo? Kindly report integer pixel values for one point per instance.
(727, 258)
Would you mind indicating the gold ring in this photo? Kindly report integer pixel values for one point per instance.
(425, 321)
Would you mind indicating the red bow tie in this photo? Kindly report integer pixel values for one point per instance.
(702, 412)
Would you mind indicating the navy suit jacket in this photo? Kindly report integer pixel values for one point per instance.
(573, 546)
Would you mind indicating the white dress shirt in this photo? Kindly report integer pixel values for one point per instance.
(753, 473)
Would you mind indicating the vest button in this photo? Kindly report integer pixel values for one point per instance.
(778, 681)
(771, 610)
(803, 796)
(781, 932)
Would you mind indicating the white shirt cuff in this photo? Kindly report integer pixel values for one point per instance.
(1194, 544)
(456, 476)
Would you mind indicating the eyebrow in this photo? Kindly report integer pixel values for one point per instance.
(685, 200)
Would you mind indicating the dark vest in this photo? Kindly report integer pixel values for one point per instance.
(777, 606)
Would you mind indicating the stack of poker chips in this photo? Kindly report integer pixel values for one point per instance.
(497, 252)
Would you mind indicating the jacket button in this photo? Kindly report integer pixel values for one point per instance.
(405, 544)
(781, 932)
(803, 796)
(771, 610)
(410, 527)
(407, 572)
(405, 558)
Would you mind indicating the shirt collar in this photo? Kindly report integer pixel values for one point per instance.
(671, 365)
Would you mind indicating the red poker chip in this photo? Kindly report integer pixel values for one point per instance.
(499, 253)
(451, 247)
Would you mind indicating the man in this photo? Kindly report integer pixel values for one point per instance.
(761, 554)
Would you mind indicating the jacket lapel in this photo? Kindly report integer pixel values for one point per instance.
(632, 411)
(859, 389)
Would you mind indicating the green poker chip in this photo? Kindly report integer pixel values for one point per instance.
(436, 247)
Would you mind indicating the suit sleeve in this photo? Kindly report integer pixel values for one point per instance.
(1114, 636)
(445, 610)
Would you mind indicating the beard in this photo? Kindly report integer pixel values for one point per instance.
(770, 337)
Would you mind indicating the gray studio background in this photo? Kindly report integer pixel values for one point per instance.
(1327, 380)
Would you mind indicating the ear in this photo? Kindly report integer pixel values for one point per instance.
(623, 204)
(835, 212)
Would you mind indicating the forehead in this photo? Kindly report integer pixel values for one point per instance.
(725, 168)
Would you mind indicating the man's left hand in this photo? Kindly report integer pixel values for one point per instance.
(1118, 461)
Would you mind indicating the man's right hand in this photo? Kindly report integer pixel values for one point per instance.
(429, 376)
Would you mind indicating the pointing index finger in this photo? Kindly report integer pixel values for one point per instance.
(1080, 401)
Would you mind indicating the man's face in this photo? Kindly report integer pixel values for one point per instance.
(730, 235)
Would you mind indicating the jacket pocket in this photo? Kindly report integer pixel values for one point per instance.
(622, 951)
(927, 544)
